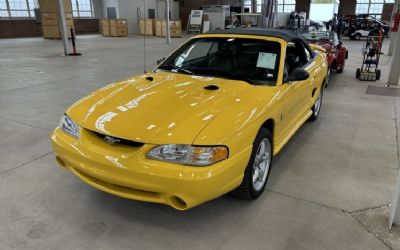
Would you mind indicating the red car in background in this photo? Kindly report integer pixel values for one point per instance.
(336, 53)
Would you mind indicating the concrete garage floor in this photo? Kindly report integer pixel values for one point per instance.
(329, 189)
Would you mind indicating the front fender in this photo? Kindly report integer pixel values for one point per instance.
(237, 126)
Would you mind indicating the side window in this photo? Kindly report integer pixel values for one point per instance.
(309, 55)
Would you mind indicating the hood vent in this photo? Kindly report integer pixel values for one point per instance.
(211, 87)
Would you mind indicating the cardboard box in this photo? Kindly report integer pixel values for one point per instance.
(122, 27)
(105, 27)
(175, 28)
(113, 27)
(53, 32)
(51, 18)
(148, 26)
(158, 27)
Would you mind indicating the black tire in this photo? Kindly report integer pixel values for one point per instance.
(357, 36)
(246, 189)
(315, 109)
(358, 73)
(378, 74)
(328, 77)
(340, 70)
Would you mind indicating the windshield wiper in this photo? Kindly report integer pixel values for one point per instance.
(176, 68)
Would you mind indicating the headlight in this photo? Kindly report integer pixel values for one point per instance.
(69, 126)
(189, 155)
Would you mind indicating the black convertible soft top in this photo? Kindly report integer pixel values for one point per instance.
(286, 35)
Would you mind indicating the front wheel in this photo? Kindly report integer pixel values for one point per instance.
(257, 171)
(317, 106)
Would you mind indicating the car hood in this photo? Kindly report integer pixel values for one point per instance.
(157, 108)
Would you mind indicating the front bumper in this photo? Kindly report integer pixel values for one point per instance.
(126, 172)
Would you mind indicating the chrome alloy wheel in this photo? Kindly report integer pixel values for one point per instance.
(262, 163)
(317, 105)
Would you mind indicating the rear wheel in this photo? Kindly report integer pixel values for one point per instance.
(340, 70)
(257, 171)
(378, 74)
(358, 73)
(357, 36)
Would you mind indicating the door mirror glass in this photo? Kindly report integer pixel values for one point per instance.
(297, 75)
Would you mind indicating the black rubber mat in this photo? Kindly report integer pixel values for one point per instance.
(375, 90)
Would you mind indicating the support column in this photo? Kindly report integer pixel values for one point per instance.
(63, 25)
(394, 73)
(168, 31)
(394, 216)
(393, 38)
(393, 35)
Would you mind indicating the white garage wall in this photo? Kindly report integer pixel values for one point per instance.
(97, 8)
(111, 3)
(128, 9)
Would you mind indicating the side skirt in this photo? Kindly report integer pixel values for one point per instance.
(298, 124)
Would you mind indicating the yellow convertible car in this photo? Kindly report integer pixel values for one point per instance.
(207, 121)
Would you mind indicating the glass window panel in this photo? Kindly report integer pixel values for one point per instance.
(389, 1)
(19, 8)
(289, 8)
(84, 7)
(290, 2)
(362, 1)
(3, 13)
(280, 1)
(362, 8)
(280, 8)
(74, 5)
(32, 4)
(377, 1)
(85, 14)
(376, 8)
(3, 5)
(18, 4)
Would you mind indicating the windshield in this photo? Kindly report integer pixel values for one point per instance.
(251, 60)
(317, 35)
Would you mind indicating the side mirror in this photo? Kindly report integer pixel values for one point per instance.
(297, 75)
(159, 61)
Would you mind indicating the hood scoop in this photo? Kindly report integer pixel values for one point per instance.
(211, 87)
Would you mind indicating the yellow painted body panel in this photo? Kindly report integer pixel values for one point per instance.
(176, 109)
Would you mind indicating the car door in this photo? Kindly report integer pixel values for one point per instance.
(297, 97)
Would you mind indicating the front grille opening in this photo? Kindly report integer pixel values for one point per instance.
(118, 141)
